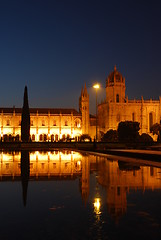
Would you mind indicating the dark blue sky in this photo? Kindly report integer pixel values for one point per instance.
(55, 46)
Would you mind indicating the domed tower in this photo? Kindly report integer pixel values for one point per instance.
(84, 110)
(115, 87)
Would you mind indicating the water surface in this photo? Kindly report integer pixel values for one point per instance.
(67, 195)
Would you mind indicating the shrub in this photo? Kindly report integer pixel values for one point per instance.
(146, 138)
(128, 131)
(110, 136)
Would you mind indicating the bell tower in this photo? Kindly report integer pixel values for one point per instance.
(115, 87)
(84, 110)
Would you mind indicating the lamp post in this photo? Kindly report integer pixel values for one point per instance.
(96, 86)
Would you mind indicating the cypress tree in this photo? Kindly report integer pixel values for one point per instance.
(25, 120)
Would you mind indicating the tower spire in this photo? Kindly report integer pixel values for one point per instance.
(85, 91)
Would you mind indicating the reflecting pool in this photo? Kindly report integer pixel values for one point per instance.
(69, 195)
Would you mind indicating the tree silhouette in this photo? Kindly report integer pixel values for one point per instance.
(128, 131)
(25, 121)
(110, 136)
(156, 129)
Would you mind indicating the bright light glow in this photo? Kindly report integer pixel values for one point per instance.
(97, 205)
(79, 163)
(37, 137)
(96, 86)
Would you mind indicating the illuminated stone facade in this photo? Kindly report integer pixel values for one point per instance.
(49, 124)
(63, 124)
(117, 107)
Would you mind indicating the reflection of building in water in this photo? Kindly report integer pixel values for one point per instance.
(46, 166)
(42, 164)
(85, 178)
(118, 178)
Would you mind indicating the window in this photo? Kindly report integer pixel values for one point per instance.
(8, 122)
(40, 137)
(52, 137)
(56, 137)
(117, 98)
(77, 123)
(43, 122)
(133, 117)
(54, 123)
(66, 123)
(151, 171)
(33, 137)
(32, 123)
(150, 120)
(63, 137)
(68, 136)
(45, 137)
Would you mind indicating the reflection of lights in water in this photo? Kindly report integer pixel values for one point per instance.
(49, 154)
(97, 205)
(78, 165)
(37, 153)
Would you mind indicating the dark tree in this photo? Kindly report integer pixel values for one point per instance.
(156, 129)
(110, 136)
(25, 121)
(146, 138)
(128, 131)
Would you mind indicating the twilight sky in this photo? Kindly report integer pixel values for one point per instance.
(55, 46)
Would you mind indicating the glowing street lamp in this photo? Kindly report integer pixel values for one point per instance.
(96, 86)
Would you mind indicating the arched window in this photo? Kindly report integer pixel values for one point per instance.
(56, 137)
(45, 137)
(8, 122)
(63, 137)
(117, 98)
(40, 137)
(33, 137)
(52, 137)
(133, 117)
(150, 120)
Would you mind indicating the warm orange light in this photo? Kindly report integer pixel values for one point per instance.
(79, 163)
(96, 86)
(97, 205)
